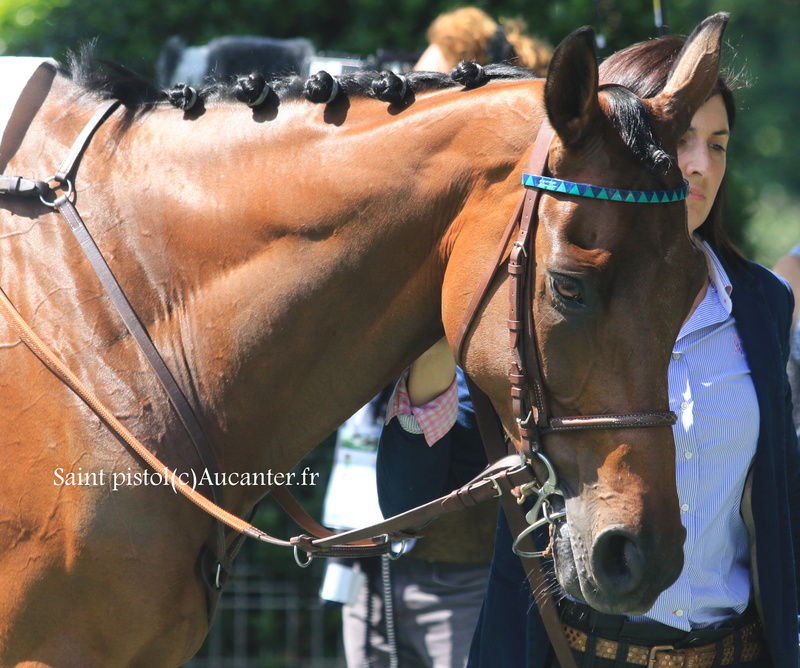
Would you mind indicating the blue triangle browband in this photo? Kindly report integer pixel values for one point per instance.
(599, 192)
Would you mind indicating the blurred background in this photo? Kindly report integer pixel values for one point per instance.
(271, 615)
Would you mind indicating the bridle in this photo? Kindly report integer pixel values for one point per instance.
(529, 400)
(528, 397)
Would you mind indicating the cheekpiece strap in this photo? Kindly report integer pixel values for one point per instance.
(601, 192)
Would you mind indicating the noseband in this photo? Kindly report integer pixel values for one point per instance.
(528, 396)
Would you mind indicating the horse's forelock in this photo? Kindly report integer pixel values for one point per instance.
(632, 120)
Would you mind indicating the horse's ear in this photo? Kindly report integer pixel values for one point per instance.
(570, 91)
(693, 75)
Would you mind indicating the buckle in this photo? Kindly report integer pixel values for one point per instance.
(651, 655)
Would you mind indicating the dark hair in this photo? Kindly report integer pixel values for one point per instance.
(644, 68)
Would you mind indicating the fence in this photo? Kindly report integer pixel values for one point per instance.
(266, 623)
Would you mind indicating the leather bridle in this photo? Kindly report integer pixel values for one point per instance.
(528, 396)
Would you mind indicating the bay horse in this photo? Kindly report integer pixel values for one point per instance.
(289, 259)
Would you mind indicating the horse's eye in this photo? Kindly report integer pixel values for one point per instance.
(568, 290)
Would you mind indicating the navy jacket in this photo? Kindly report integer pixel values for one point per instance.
(510, 632)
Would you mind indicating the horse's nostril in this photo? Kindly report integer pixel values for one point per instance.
(618, 561)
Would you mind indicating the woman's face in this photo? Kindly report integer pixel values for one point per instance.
(702, 156)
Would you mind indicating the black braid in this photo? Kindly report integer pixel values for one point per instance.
(469, 74)
(182, 96)
(390, 87)
(252, 89)
(472, 75)
(321, 88)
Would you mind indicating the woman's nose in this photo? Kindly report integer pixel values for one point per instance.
(693, 160)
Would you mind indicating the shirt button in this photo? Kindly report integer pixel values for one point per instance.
(685, 507)
(688, 455)
(676, 356)
(684, 405)
(679, 613)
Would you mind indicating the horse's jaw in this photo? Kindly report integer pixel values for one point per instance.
(615, 574)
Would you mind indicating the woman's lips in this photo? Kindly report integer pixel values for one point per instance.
(696, 194)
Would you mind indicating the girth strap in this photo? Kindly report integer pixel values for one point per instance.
(177, 398)
(137, 330)
(63, 203)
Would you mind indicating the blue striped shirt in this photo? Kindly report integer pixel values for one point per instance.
(711, 391)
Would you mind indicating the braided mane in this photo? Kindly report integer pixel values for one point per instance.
(113, 81)
(138, 94)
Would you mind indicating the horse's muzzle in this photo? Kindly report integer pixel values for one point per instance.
(620, 574)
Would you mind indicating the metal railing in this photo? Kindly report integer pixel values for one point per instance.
(262, 623)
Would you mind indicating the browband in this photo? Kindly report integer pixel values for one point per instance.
(599, 192)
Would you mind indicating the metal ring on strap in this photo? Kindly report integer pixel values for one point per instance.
(302, 564)
(58, 201)
(548, 518)
(394, 556)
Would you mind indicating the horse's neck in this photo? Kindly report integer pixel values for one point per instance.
(288, 269)
(291, 273)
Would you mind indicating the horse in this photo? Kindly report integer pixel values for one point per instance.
(288, 259)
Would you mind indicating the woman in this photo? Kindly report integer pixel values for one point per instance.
(470, 34)
(740, 443)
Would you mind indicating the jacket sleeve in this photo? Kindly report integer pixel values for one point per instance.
(410, 473)
(792, 452)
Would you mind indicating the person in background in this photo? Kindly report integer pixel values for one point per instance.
(470, 34)
(422, 608)
(788, 266)
(738, 588)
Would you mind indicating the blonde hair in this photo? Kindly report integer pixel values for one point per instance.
(469, 33)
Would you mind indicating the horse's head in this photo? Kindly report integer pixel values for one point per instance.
(611, 284)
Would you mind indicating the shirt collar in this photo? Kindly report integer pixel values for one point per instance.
(717, 275)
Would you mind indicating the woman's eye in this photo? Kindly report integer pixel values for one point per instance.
(568, 291)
